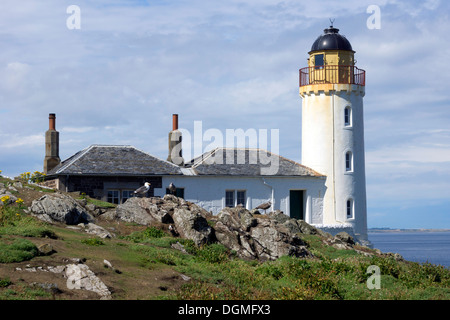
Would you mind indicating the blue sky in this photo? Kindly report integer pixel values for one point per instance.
(231, 64)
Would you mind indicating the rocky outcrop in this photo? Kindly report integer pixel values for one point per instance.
(60, 208)
(247, 233)
(257, 236)
(148, 210)
(192, 225)
(142, 211)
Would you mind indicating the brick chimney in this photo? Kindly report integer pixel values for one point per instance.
(175, 151)
(51, 145)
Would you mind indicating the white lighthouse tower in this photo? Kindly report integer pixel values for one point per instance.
(332, 88)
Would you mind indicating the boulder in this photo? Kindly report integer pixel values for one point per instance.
(142, 211)
(258, 237)
(96, 230)
(345, 237)
(192, 225)
(79, 276)
(11, 198)
(273, 241)
(45, 249)
(58, 207)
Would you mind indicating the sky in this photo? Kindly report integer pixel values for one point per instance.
(115, 71)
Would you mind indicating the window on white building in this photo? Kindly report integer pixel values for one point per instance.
(229, 198)
(347, 116)
(349, 208)
(240, 197)
(114, 196)
(349, 161)
(234, 198)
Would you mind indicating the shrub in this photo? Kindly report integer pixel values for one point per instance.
(93, 242)
(148, 233)
(213, 253)
(5, 282)
(17, 251)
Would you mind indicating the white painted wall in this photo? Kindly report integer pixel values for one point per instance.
(326, 140)
(209, 192)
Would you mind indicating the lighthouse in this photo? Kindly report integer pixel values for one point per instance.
(332, 88)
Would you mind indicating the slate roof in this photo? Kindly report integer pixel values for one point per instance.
(247, 162)
(114, 160)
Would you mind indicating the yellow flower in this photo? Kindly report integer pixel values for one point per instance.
(19, 201)
(4, 199)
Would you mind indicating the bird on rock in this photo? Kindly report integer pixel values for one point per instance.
(172, 188)
(142, 190)
(264, 206)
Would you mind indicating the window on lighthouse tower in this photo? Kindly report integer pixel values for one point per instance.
(349, 208)
(347, 116)
(349, 161)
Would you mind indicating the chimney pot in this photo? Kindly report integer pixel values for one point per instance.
(175, 122)
(51, 120)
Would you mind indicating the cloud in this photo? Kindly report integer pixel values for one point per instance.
(16, 140)
(231, 64)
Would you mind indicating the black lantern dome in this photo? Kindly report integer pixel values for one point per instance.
(331, 40)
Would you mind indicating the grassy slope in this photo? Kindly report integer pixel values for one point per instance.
(146, 267)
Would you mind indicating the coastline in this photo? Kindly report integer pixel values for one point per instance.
(389, 230)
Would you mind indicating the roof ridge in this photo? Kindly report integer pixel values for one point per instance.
(168, 162)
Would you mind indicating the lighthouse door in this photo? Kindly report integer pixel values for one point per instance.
(296, 206)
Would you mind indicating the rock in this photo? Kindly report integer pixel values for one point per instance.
(46, 249)
(178, 246)
(184, 277)
(263, 238)
(12, 198)
(142, 211)
(79, 276)
(108, 264)
(192, 225)
(94, 229)
(58, 207)
(273, 241)
(108, 214)
(17, 184)
(345, 237)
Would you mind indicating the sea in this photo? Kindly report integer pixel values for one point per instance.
(418, 246)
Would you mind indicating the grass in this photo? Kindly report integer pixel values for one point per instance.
(17, 250)
(215, 272)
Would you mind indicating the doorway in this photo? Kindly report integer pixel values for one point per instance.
(296, 204)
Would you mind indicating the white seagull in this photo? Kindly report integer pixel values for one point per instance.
(142, 190)
(172, 188)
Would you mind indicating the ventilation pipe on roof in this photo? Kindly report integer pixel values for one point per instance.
(272, 193)
(175, 150)
(51, 145)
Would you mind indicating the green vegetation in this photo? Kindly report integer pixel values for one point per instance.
(13, 221)
(93, 242)
(214, 271)
(148, 233)
(17, 250)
